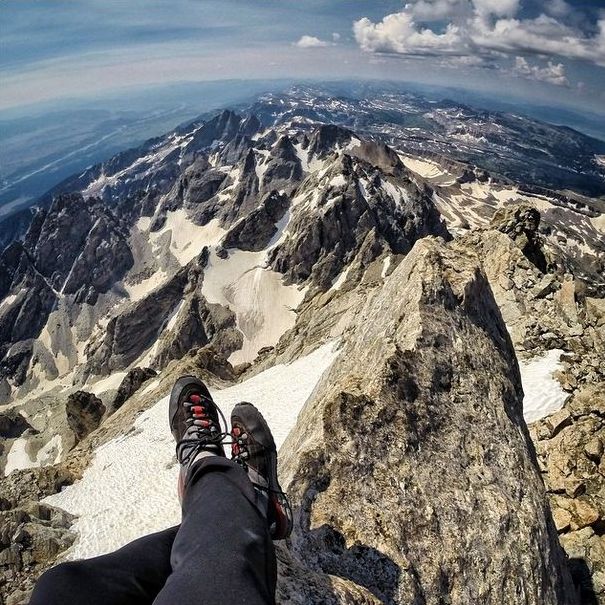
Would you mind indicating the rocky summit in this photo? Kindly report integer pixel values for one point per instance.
(424, 333)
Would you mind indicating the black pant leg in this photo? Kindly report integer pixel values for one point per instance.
(222, 553)
(132, 575)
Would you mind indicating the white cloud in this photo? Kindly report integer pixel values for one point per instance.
(335, 37)
(551, 73)
(311, 42)
(398, 33)
(543, 35)
(484, 29)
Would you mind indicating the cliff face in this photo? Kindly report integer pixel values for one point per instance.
(411, 466)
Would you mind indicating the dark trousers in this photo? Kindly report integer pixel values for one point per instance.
(221, 553)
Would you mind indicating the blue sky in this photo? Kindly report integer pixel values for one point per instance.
(541, 50)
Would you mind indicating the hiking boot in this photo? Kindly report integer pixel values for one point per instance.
(194, 422)
(254, 448)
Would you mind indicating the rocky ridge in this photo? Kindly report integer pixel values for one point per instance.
(427, 354)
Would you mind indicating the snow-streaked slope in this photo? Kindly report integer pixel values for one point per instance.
(543, 393)
(263, 305)
(130, 488)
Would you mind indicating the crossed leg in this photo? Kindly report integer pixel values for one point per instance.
(221, 553)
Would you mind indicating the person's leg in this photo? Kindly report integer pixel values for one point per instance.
(132, 575)
(223, 552)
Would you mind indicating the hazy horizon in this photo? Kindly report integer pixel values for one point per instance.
(537, 51)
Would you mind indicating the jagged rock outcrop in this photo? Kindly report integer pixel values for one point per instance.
(254, 232)
(79, 243)
(331, 224)
(199, 183)
(84, 413)
(130, 384)
(521, 224)
(411, 467)
(147, 322)
(570, 447)
(283, 169)
(75, 247)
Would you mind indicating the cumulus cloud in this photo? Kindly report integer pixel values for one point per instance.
(311, 42)
(483, 29)
(543, 35)
(398, 33)
(553, 74)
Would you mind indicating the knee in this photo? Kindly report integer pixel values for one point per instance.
(64, 573)
(58, 583)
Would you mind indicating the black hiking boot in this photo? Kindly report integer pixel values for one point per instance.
(254, 448)
(194, 422)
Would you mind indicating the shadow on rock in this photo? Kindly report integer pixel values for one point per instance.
(582, 578)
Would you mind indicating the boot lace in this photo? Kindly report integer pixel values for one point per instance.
(240, 452)
(202, 431)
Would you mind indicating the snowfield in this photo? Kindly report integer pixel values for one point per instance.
(129, 490)
(543, 393)
(264, 306)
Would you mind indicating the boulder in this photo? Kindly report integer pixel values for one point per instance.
(130, 385)
(595, 311)
(521, 223)
(84, 413)
(12, 425)
(411, 468)
(565, 298)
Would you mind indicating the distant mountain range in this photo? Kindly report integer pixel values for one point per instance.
(40, 146)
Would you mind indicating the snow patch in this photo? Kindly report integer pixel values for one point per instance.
(120, 470)
(338, 181)
(341, 279)
(543, 393)
(7, 302)
(386, 263)
(352, 144)
(110, 383)
(17, 457)
(263, 305)
(599, 223)
(303, 156)
(51, 452)
(261, 164)
(423, 168)
(146, 286)
(186, 238)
